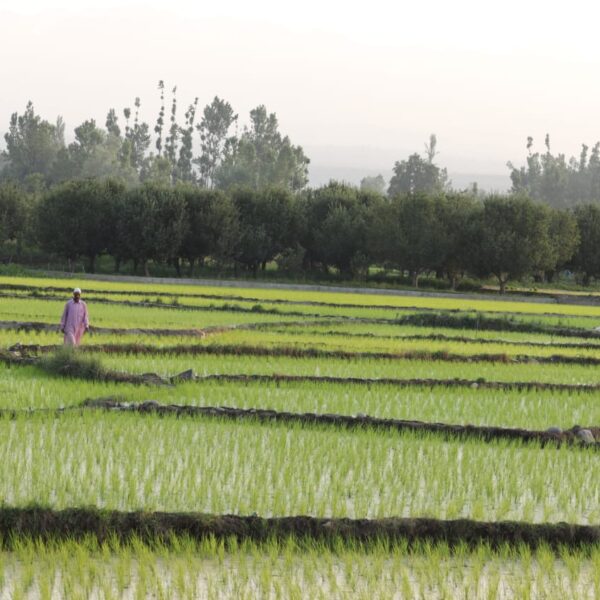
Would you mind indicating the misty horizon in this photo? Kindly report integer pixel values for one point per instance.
(370, 85)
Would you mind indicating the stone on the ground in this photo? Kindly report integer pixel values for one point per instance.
(152, 378)
(586, 436)
(185, 375)
(554, 430)
(149, 404)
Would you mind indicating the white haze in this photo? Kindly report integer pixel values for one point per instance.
(358, 85)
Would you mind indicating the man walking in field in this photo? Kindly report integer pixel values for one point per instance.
(74, 322)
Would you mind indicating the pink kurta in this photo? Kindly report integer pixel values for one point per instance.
(74, 321)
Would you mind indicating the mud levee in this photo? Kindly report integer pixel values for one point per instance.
(77, 523)
(394, 382)
(483, 433)
(311, 352)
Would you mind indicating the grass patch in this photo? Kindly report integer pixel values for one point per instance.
(68, 362)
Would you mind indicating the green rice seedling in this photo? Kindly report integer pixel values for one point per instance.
(106, 315)
(26, 388)
(222, 467)
(359, 368)
(134, 462)
(426, 573)
(399, 331)
(255, 293)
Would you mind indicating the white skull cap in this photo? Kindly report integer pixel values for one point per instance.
(77, 291)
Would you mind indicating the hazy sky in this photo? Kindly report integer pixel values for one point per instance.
(357, 84)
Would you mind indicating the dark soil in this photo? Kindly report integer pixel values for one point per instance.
(78, 523)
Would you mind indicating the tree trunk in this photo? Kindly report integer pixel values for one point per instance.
(191, 269)
(146, 271)
(453, 281)
(117, 263)
(502, 285)
(177, 266)
(415, 278)
(92, 264)
(263, 266)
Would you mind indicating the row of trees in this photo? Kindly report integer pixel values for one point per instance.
(553, 179)
(557, 180)
(208, 151)
(333, 227)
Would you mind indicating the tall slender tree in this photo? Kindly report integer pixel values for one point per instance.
(185, 171)
(160, 121)
(216, 140)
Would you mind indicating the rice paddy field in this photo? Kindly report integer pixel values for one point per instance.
(465, 371)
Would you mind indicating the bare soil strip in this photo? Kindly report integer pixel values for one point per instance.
(307, 352)
(487, 434)
(78, 523)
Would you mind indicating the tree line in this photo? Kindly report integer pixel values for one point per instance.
(206, 150)
(335, 228)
